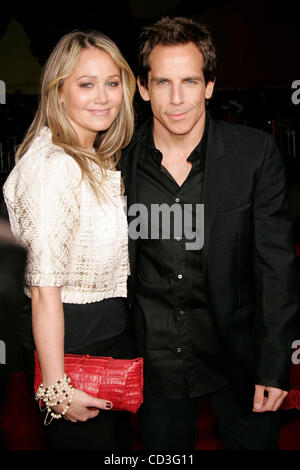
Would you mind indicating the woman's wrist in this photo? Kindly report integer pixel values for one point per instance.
(57, 398)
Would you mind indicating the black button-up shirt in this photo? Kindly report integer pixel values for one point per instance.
(173, 327)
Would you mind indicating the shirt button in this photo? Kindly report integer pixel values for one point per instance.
(179, 350)
(181, 312)
(179, 276)
(177, 199)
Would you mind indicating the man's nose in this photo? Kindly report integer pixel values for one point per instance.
(176, 94)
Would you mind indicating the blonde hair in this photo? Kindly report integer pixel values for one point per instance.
(108, 144)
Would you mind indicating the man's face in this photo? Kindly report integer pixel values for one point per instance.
(176, 88)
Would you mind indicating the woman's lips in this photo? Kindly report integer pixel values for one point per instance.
(99, 112)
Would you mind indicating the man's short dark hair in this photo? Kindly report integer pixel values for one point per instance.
(173, 31)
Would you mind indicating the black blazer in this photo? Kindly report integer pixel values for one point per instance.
(248, 254)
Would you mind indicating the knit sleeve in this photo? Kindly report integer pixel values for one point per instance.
(43, 200)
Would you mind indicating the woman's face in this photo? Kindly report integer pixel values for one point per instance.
(92, 94)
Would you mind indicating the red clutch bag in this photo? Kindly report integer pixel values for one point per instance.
(117, 380)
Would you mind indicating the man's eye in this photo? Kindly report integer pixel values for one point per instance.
(162, 82)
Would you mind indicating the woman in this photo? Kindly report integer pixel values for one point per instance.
(65, 206)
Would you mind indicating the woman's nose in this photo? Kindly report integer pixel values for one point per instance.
(100, 94)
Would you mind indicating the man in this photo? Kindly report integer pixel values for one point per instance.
(213, 317)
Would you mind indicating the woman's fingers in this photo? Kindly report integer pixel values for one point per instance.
(84, 407)
(100, 403)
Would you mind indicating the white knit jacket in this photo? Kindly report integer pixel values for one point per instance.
(72, 241)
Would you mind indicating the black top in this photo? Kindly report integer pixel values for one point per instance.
(86, 324)
(170, 314)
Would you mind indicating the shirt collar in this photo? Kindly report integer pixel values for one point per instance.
(197, 155)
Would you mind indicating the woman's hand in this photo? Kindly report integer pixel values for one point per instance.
(48, 331)
(83, 407)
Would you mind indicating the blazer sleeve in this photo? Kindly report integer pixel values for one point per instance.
(277, 300)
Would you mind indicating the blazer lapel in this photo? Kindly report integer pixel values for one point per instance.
(132, 154)
(211, 187)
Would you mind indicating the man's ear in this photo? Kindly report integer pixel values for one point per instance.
(209, 89)
(143, 90)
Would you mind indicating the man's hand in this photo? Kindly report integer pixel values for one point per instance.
(269, 401)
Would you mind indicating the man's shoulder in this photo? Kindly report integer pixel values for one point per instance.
(241, 132)
(242, 143)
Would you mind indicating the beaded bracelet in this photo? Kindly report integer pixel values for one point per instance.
(52, 390)
(51, 396)
(49, 403)
(58, 415)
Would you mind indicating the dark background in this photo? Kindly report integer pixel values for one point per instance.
(257, 41)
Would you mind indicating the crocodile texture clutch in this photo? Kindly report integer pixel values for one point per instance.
(117, 380)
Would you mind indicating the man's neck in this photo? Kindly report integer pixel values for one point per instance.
(177, 144)
(176, 148)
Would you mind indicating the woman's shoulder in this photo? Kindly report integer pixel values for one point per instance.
(43, 161)
(45, 156)
(43, 148)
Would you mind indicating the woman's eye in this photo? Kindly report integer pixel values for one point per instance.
(113, 84)
(86, 85)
